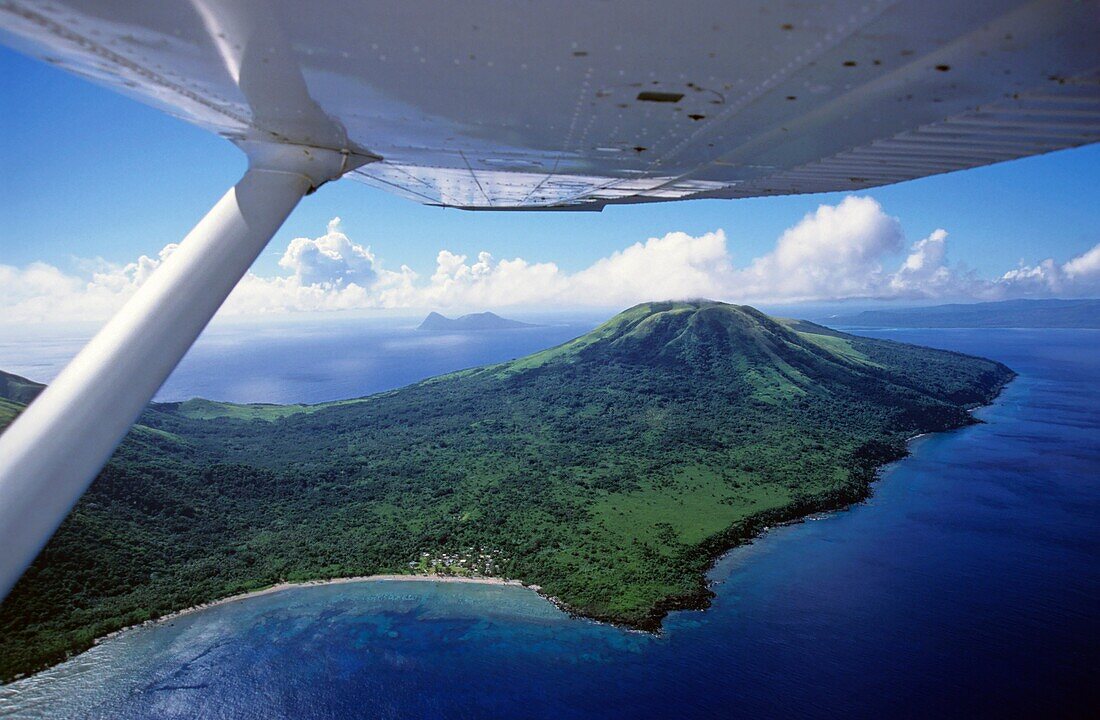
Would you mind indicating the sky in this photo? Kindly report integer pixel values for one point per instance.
(97, 188)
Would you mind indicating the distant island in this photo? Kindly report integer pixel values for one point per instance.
(473, 322)
(1005, 314)
(611, 471)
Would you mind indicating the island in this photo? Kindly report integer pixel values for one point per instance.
(1080, 314)
(610, 471)
(472, 322)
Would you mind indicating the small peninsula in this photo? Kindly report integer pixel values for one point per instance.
(610, 471)
(472, 322)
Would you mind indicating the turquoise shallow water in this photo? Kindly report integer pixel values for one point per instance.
(967, 585)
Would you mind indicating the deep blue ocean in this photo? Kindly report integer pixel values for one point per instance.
(967, 586)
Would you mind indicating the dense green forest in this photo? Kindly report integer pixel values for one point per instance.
(611, 471)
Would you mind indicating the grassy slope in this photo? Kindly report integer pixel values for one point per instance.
(610, 470)
(14, 388)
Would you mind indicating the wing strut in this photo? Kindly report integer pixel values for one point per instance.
(52, 452)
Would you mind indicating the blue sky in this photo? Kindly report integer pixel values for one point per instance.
(89, 173)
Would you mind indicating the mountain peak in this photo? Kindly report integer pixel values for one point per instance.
(736, 347)
(675, 348)
(697, 332)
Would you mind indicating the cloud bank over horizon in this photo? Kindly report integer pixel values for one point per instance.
(838, 252)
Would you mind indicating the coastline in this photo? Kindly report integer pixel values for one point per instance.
(279, 587)
(711, 551)
(715, 549)
(753, 527)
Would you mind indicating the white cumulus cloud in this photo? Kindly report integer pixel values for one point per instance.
(331, 259)
(850, 250)
(836, 251)
(1084, 267)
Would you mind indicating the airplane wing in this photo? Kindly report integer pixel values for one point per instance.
(577, 105)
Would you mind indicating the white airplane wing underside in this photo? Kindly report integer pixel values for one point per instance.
(576, 105)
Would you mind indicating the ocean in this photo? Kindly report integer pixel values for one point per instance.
(967, 585)
(307, 360)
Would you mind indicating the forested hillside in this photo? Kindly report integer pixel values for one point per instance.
(610, 471)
